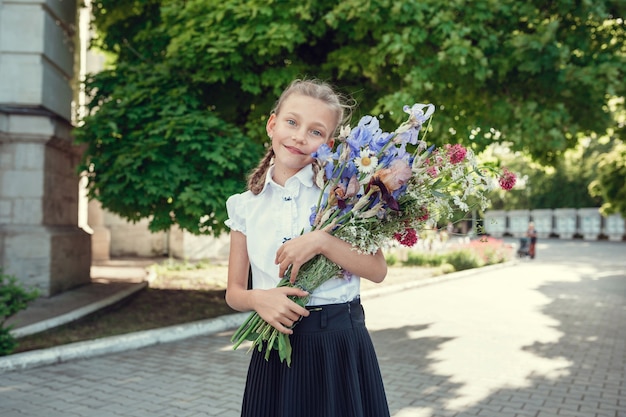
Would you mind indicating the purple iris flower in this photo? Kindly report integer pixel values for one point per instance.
(324, 153)
(350, 170)
(379, 141)
(329, 168)
(313, 215)
(410, 136)
(364, 134)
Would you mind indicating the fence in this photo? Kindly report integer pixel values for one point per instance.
(564, 223)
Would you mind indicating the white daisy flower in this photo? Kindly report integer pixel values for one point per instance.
(366, 162)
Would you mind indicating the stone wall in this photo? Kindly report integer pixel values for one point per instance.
(40, 241)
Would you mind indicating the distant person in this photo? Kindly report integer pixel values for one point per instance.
(531, 233)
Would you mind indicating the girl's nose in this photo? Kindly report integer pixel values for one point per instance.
(298, 136)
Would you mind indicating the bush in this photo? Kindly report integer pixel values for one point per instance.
(391, 259)
(463, 259)
(423, 259)
(13, 298)
(447, 268)
(491, 251)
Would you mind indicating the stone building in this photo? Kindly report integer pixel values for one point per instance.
(40, 240)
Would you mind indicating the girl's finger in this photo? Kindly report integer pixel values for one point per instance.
(294, 273)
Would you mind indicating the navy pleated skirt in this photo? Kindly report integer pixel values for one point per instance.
(334, 370)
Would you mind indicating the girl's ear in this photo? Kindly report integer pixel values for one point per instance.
(331, 142)
(271, 123)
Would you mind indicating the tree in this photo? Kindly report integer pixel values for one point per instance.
(610, 184)
(535, 74)
(564, 184)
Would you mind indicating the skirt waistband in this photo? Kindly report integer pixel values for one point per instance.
(332, 317)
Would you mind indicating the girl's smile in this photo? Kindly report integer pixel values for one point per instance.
(294, 150)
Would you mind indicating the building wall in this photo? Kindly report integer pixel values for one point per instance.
(40, 241)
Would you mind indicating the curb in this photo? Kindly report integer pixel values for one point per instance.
(116, 344)
(146, 338)
(78, 313)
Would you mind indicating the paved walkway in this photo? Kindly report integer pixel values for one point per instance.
(538, 338)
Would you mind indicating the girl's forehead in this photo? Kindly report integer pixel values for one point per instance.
(310, 107)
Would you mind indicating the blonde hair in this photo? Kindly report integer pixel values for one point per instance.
(310, 88)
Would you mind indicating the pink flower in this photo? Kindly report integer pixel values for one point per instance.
(432, 171)
(507, 180)
(407, 238)
(456, 152)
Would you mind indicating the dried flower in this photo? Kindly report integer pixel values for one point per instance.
(396, 175)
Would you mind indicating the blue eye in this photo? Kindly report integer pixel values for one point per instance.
(317, 133)
(291, 122)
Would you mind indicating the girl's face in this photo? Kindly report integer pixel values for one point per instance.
(297, 130)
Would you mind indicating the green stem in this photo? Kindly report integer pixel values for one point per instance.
(270, 344)
(244, 331)
(243, 326)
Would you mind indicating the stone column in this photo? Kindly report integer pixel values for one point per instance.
(40, 241)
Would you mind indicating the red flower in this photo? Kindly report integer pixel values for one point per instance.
(456, 152)
(407, 238)
(507, 180)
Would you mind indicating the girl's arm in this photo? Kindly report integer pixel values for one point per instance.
(272, 305)
(299, 250)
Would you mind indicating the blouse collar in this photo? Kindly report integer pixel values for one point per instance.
(304, 177)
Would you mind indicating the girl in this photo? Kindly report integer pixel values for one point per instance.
(334, 372)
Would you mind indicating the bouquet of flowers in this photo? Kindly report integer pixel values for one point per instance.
(377, 187)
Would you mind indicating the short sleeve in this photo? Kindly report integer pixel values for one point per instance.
(235, 206)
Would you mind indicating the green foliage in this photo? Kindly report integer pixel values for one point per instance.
(172, 265)
(13, 298)
(446, 268)
(464, 259)
(424, 259)
(564, 184)
(177, 121)
(478, 253)
(610, 184)
(391, 259)
(158, 153)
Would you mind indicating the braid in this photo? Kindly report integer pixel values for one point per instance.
(256, 180)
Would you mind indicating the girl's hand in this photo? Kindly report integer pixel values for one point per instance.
(279, 311)
(297, 251)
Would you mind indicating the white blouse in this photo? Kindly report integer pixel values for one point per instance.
(274, 216)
